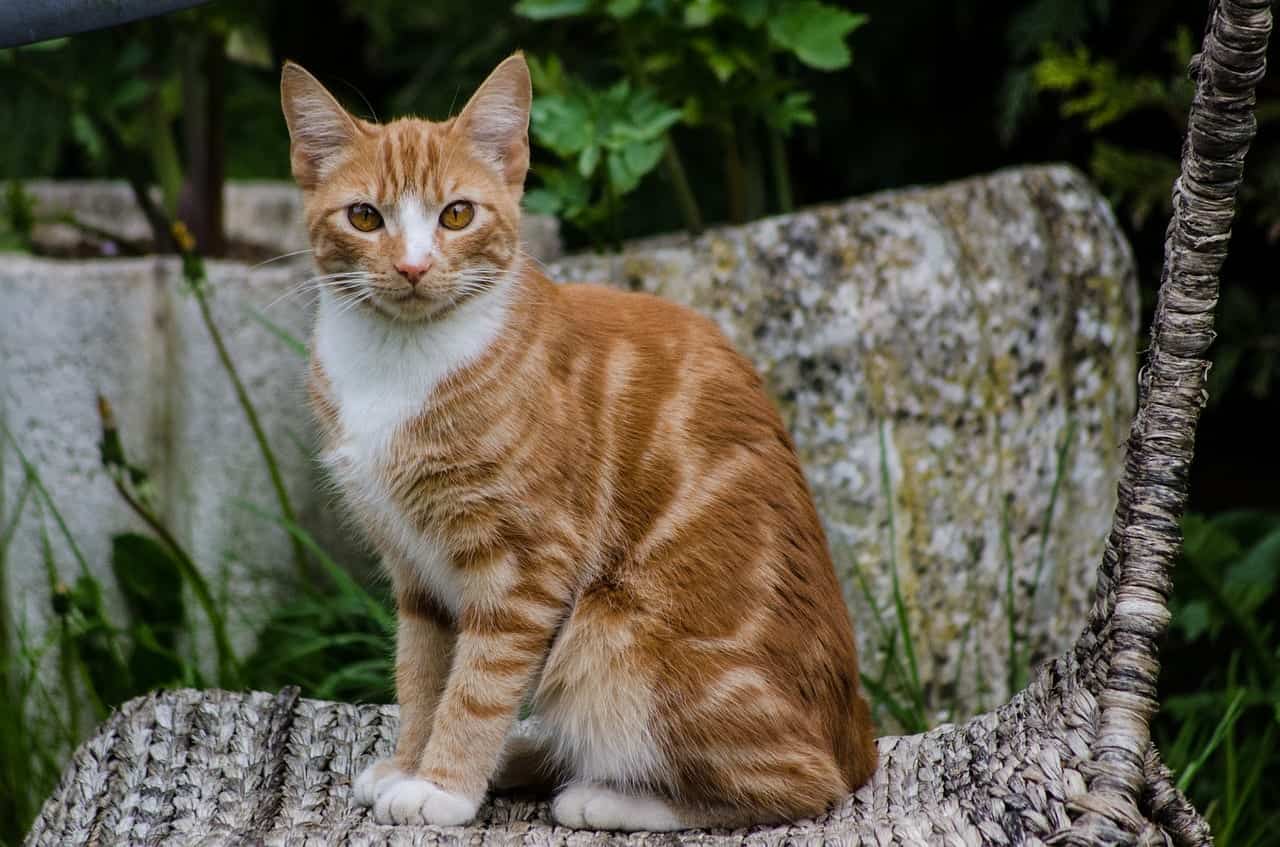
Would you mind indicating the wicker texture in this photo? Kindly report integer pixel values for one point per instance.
(1067, 761)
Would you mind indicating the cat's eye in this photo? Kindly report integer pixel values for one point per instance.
(364, 217)
(457, 214)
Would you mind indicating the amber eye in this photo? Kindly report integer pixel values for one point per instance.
(364, 217)
(457, 215)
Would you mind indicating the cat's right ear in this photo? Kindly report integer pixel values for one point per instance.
(320, 130)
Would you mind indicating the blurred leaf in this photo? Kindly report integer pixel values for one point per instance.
(83, 130)
(752, 12)
(562, 122)
(630, 164)
(721, 63)
(623, 8)
(1193, 619)
(815, 32)
(1251, 580)
(287, 338)
(700, 13)
(47, 46)
(791, 111)
(542, 201)
(151, 582)
(588, 160)
(249, 46)
(547, 9)
(129, 95)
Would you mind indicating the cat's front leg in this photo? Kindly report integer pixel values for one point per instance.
(499, 647)
(424, 651)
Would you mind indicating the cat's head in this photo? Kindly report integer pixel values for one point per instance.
(412, 217)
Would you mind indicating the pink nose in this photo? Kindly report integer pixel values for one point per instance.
(413, 273)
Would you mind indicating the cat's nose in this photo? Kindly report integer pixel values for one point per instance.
(413, 272)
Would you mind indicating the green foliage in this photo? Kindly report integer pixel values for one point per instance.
(1109, 101)
(1094, 90)
(1097, 92)
(714, 66)
(610, 139)
(17, 218)
(122, 96)
(1220, 720)
(331, 636)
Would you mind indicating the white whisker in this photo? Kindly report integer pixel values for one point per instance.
(281, 256)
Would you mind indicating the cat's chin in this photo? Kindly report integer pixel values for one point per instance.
(411, 309)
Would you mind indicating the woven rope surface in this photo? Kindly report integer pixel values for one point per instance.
(217, 767)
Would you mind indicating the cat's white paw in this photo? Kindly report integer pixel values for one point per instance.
(374, 780)
(585, 806)
(418, 801)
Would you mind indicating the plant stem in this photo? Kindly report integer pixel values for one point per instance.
(1011, 612)
(734, 176)
(193, 270)
(164, 154)
(228, 670)
(900, 606)
(126, 246)
(756, 202)
(685, 198)
(781, 171)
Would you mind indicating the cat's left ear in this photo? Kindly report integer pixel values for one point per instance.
(496, 119)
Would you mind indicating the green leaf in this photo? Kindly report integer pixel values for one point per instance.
(84, 132)
(815, 33)
(285, 337)
(752, 12)
(791, 111)
(547, 74)
(563, 192)
(130, 94)
(46, 46)
(655, 63)
(588, 160)
(1193, 619)
(150, 581)
(541, 10)
(700, 13)
(1250, 581)
(542, 201)
(648, 119)
(621, 9)
(630, 164)
(722, 64)
(562, 123)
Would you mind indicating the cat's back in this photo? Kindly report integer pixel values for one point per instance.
(664, 337)
(596, 308)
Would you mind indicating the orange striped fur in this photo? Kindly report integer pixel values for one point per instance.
(583, 497)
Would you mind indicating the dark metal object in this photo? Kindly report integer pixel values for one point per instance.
(29, 21)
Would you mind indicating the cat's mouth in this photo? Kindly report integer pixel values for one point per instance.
(410, 302)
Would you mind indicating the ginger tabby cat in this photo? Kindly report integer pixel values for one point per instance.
(583, 498)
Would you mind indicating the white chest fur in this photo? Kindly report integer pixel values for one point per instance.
(381, 375)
